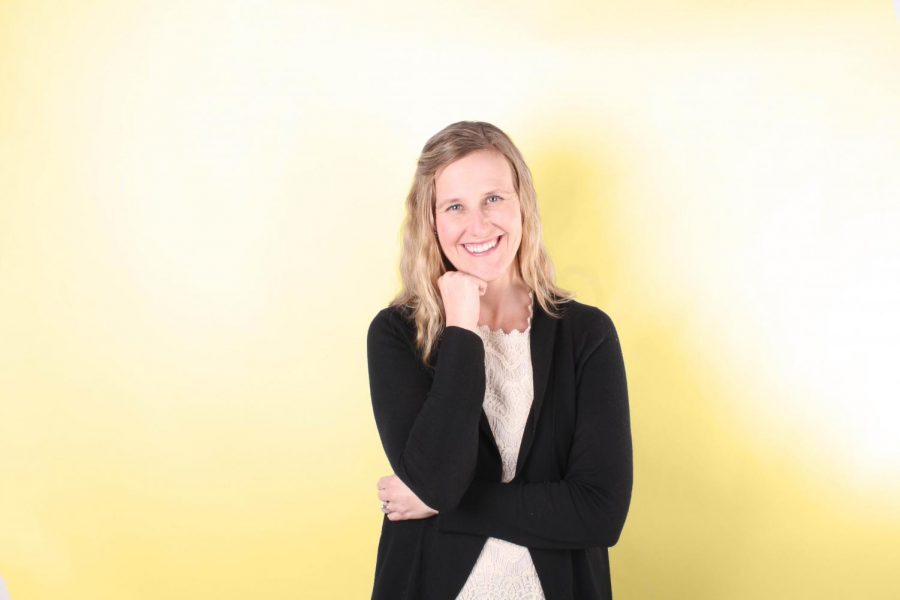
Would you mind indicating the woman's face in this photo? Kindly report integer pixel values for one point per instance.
(476, 205)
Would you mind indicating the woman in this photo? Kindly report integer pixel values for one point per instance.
(500, 400)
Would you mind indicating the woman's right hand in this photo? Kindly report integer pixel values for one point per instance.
(461, 293)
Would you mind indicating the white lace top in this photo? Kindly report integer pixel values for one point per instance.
(504, 569)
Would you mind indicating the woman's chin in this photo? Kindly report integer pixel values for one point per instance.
(482, 271)
(486, 274)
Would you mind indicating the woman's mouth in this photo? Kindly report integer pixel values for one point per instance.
(483, 249)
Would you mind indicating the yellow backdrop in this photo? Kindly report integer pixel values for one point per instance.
(199, 216)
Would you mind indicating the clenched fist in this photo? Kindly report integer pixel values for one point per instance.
(461, 293)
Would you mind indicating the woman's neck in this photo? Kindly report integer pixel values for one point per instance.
(505, 303)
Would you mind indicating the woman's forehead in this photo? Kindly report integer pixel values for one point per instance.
(474, 175)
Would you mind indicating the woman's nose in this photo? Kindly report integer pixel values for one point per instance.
(479, 225)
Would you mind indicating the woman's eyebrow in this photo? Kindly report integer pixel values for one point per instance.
(446, 201)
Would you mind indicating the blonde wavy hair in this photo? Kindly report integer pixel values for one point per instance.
(422, 261)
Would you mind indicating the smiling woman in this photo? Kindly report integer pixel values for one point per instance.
(500, 400)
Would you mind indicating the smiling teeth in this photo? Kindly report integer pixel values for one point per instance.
(480, 247)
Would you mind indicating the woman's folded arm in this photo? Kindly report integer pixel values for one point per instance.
(589, 505)
(428, 427)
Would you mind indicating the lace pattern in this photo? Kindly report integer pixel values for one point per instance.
(504, 570)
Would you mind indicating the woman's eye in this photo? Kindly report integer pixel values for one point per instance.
(451, 207)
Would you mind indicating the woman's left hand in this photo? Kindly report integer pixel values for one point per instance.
(402, 503)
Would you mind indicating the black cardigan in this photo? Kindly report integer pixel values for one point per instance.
(570, 495)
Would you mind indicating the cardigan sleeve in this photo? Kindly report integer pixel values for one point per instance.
(428, 424)
(588, 507)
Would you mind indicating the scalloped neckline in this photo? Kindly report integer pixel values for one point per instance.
(513, 332)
